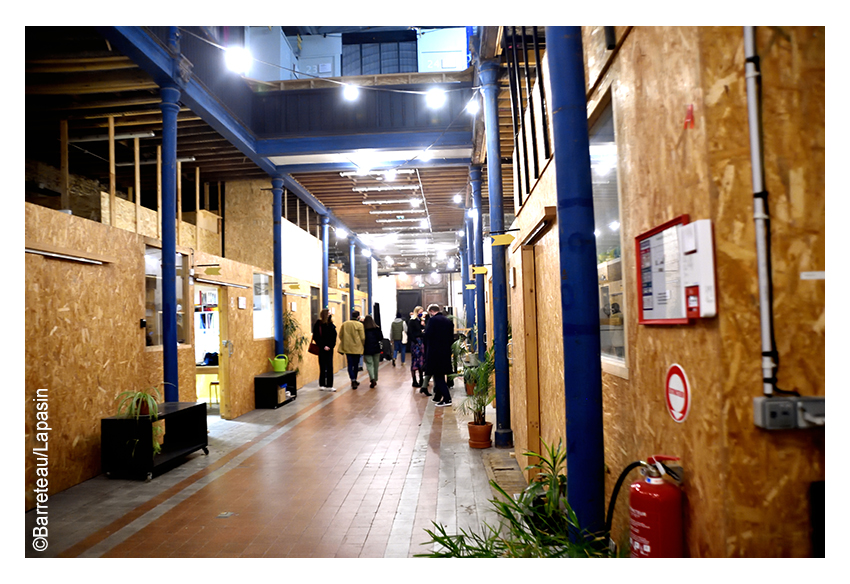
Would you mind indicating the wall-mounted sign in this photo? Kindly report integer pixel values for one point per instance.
(677, 393)
(243, 302)
(661, 293)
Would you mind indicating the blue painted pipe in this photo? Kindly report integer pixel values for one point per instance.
(325, 261)
(351, 258)
(464, 277)
(579, 288)
(369, 305)
(170, 370)
(475, 179)
(489, 75)
(277, 212)
(470, 255)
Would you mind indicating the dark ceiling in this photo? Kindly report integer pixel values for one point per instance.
(74, 74)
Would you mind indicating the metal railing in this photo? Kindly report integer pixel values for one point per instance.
(519, 46)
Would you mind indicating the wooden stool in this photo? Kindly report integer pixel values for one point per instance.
(216, 392)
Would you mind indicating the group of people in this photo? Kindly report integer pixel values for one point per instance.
(429, 335)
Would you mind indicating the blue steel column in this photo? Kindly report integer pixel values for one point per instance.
(325, 261)
(477, 226)
(277, 211)
(351, 258)
(579, 289)
(369, 286)
(170, 370)
(470, 254)
(464, 275)
(489, 74)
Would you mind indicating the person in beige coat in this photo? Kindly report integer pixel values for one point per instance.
(352, 337)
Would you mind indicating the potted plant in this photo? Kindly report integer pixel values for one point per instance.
(460, 364)
(294, 338)
(135, 404)
(479, 428)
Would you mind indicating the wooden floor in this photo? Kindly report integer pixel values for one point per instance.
(356, 473)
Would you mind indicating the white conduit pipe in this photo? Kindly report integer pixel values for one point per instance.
(760, 214)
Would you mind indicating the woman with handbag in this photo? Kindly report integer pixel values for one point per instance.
(324, 340)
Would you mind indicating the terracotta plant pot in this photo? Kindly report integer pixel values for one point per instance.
(470, 388)
(479, 435)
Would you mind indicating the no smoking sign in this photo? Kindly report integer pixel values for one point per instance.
(677, 392)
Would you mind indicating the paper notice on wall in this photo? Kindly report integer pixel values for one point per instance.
(662, 293)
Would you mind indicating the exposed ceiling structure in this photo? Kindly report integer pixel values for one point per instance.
(75, 74)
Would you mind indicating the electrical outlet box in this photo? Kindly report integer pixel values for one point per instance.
(789, 413)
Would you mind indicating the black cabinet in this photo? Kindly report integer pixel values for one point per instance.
(270, 389)
(126, 444)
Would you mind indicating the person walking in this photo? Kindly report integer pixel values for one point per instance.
(398, 332)
(372, 349)
(324, 335)
(351, 339)
(417, 349)
(439, 334)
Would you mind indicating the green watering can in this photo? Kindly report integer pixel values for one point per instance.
(279, 362)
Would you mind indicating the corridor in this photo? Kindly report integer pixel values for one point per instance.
(356, 473)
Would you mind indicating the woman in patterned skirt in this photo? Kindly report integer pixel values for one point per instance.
(417, 348)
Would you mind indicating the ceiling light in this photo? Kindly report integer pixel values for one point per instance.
(415, 202)
(473, 107)
(412, 265)
(366, 253)
(425, 156)
(460, 233)
(451, 264)
(423, 224)
(389, 260)
(385, 188)
(390, 174)
(614, 225)
(470, 213)
(435, 98)
(402, 220)
(238, 60)
(387, 202)
(457, 198)
(341, 233)
(396, 212)
(350, 92)
(597, 233)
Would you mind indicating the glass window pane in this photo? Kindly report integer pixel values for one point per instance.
(606, 211)
(153, 296)
(263, 307)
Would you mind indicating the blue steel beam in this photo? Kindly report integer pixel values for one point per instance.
(489, 75)
(351, 259)
(385, 164)
(342, 143)
(579, 288)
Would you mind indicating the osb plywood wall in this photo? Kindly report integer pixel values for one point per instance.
(746, 489)
(769, 474)
(125, 218)
(82, 340)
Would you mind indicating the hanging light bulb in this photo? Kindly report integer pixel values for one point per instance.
(238, 59)
(350, 92)
(474, 106)
(435, 98)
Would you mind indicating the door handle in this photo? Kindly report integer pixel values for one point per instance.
(229, 346)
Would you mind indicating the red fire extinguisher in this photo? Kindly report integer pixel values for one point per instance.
(655, 513)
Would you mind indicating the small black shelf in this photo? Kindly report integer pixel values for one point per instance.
(269, 392)
(126, 448)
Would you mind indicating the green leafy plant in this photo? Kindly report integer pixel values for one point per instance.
(136, 403)
(484, 391)
(294, 337)
(537, 523)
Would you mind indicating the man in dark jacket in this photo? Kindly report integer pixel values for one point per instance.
(439, 334)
